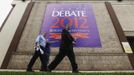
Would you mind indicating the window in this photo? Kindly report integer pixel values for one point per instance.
(131, 42)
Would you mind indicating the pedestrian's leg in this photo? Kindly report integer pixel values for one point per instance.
(43, 62)
(57, 60)
(72, 59)
(47, 59)
(32, 61)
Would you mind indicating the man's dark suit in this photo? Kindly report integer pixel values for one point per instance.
(66, 49)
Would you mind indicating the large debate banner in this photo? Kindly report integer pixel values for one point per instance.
(80, 18)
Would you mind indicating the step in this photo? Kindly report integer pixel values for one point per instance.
(85, 62)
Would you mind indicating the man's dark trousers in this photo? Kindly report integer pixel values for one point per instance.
(64, 51)
(43, 58)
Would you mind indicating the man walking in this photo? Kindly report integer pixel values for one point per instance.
(66, 49)
(40, 51)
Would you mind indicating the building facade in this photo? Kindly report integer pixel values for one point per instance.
(115, 26)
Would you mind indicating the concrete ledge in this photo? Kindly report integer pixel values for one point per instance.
(125, 71)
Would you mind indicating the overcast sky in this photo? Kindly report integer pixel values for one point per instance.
(5, 6)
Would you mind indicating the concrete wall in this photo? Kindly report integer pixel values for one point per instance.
(109, 57)
(125, 15)
(10, 27)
